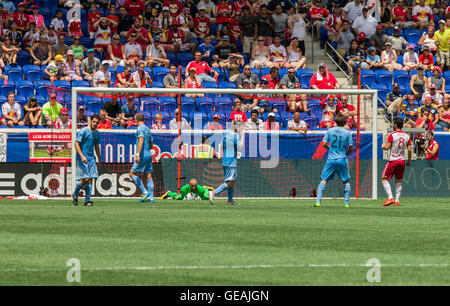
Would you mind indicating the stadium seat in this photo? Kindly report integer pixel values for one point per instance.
(257, 72)
(172, 58)
(184, 58)
(23, 58)
(223, 107)
(206, 105)
(400, 59)
(188, 105)
(209, 85)
(14, 75)
(383, 76)
(223, 75)
(402, 78)
(282, 72)
(148, 119)
(157, 84)
(10, 87)
(227, 85)
(150, 105)
(27, 68)
(62, 84)
(86, 41)
(198, 120)
(3, 99)
(413, 37)
(304, 76)
(159, 73)
(21, 100)
(280, 105)
(447, 77)
(33, 75)
(168, 105)
(382, 92)
(312, 122)
(80, 84)
(166, 117)
(25, 88)
(42, 88)
(367, 77)
(40, 101)
(94, 106)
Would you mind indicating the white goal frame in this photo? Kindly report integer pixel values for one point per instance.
(232, 91)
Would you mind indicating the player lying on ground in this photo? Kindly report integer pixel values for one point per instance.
(87, 139)
(231, 146)
(340, 146)
(397, 142)
(192, 187)
(143, 160)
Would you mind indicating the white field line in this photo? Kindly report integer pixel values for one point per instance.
(224, 267)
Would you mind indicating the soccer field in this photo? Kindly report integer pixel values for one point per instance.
(261, 242)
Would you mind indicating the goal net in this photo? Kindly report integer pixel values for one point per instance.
(188, 125)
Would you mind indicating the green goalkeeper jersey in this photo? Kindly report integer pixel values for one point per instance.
(201, 191)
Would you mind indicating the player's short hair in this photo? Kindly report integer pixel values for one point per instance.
(95, 116)
(431, 133)
(254, 111)
(140, 117)
(399, 122)
(340, 120)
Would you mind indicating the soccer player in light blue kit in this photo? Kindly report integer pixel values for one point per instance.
(143, 159)
(231, 146)
(339, 142)
(88, 139)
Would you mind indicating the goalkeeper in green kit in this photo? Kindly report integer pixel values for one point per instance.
(192, 187)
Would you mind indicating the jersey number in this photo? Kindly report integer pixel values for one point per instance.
(335, 139)
(401, 143)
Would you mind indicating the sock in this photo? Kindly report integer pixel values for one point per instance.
(136, 179)
(88, 189)
(320, 191)
(347, 193)
(230, 194)
(398, 191)
(220, 189)
(172, 195)
(150, 187)
(387, 188)
(77, 190)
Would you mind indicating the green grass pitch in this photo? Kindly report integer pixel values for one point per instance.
(261, 242)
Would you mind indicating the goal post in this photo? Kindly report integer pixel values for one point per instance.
(369, 108)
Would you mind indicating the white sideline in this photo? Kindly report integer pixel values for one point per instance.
(224, 267)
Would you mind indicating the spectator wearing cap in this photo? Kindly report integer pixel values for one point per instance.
(399, 43)
(427, 39)
(102, 78)
(125, 22)
(411, 111)
(270, 124)
(202, 69)
(379, 38)
(90, 65)
(288, 80)
(33, 113)
(264, 25)
(210, 9)
(365, 24)
(179, 41)
(418, 83)
(254, 123)
(134, 7)
(323, 79)
(410, 59)
(141, 78)
(173, 124)
(60, 48)
(225, 53)
(215, 124)
(41, 52)
(12, 112)
(352, 10)
(436, 97)
(71, 70)
(192, 81)
(247, 75)
(132, 50)
(115, 52)
(21, 19)
(54, 70)
(92, 17)
(142, 36)
(57, 22)
(423, 15)
(82, 119)
(202, 24)
(156, 55)
(426, 58)
(389, 58)
(437, 80)
(442, 38)
(63, 122)
(51, 111)
(36, 17)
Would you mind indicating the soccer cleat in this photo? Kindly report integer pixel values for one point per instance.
(74, 200)
(90, 203)
(211, 197)
(347, 205)
(144, 198)
(150, 201)
(317, 204)
(233, 203)
(209, 188)
(389, 202)
(397, 203)
(165, 196)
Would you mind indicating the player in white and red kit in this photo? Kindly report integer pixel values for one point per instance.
(329, 109)
(397, 142)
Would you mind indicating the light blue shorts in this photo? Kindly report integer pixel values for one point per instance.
(333, 166)
(230, 173)
(86, 170)
(144, 166)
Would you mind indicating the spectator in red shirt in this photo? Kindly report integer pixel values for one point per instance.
(425, 120)
(113, 17)
(174, 6)
(202, 68)
(202, 24)
(426, 58)
(21, 18)
(104, 123)
(401, 16)
(143, 38)
(223, 13)
(134, 7)
(348, 111)
(432, 150)
(179, 41)
(92, 18)
(238, 114)
(318, 15)
(323, 79)
(272, 78)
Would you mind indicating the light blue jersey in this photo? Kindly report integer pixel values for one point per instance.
(230, 145)
(339, 140)
(88, 140)
(145, 164)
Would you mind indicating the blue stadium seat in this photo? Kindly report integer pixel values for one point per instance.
(27, 68)
(188, 105)
(447, 88)
(41, 88)
(159, 73)
(87, 42)
(25, 88)
(172, 58)
(282, 72)
(402, 78)
(5, 89)
(400, 59)
(94, 106)
(227, 85)
(33, 75)
(223, 107)
(312, 122)
(21, 100)
(62, 84)
(157, 84)
(148, 119)
(150, 105)
(280, 105)
(184, 58)
(23, 58)
(257, 72)
(413, 38)
(3, 99)
(40, 101)
(199, 120)
(367, 77)
(80, 84)
(210, 85)
(14, 75)
(447, 77)
(168, 105)
(222, 74)
(382, 92)
(383, 76)
(408, 31)
(205, 105)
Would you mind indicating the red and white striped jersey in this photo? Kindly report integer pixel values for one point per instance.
(400, 141)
